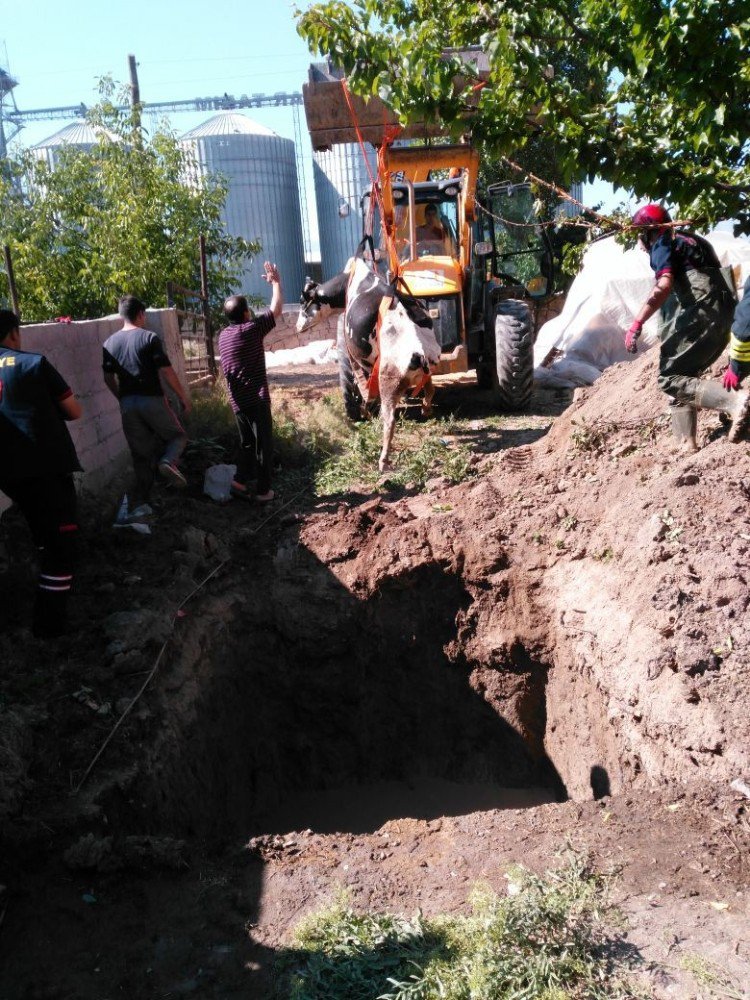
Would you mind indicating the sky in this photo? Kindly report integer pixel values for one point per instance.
(57, 51)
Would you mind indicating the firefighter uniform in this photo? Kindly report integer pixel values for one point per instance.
(695, 319)
(37, 462)
(739, 341)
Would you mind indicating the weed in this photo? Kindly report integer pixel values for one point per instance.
(605, 556)
(426, 453)
(537, 538)
(211, 428)
(709, 976)
(674, 529)
(546, 941)
(590, 437)
(569, 523)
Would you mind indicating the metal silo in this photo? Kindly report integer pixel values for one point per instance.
(78, 134)
(263, 198)
(341, 176)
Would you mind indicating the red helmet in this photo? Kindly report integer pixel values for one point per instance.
(651, 215)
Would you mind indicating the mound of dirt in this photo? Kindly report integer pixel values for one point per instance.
(600, 553)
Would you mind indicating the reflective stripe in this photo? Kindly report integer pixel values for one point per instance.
(68, 527)
(45, 586)
(57, 579)
(739, 349)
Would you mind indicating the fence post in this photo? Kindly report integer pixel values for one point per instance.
(11, 280)
(206, 310)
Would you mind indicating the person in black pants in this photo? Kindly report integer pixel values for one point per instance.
(243, 362)
(37, 462)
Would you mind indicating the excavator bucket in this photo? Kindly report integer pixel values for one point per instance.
(330, 120)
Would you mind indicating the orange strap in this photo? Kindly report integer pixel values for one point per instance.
(389, 134)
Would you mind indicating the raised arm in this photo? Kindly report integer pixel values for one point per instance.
(273, 277)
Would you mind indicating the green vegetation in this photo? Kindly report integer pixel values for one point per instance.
(319, 446)
(590, 437)
(710, 977)
(117, 218)
(651, 97)
(545, 940)
(340, 456)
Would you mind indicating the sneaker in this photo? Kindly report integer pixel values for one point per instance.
(137, 526)
(142, 510)
(170, 472)
(265, 497)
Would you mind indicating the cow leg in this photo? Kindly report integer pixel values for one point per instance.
(390, 385)
(429, 392)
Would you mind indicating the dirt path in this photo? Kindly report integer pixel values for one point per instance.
(427, 686)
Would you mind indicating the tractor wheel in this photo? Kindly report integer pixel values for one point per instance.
(513, 373)
(349, 388)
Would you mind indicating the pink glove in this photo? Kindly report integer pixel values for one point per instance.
(631, 337)
(731, 381)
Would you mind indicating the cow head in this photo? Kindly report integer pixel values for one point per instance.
(312, 311)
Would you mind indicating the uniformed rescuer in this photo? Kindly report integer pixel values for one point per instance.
(37, 462)
(696, 302)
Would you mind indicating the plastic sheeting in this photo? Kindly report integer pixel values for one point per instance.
(613, 284)
(318, 352)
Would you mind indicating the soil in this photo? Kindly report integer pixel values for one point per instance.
(400, 694)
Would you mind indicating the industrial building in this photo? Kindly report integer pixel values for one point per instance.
(263, 196)
(79, 135)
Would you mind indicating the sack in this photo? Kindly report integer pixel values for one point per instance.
(217, 482)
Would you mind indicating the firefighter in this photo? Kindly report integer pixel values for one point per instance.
(696, 303)
(739, 343)
(37, 462)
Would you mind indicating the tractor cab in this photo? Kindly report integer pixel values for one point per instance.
(518, 250)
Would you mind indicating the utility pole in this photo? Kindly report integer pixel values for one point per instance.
(135, 98)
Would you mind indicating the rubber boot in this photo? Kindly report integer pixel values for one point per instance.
(684, 426)
(712, 395)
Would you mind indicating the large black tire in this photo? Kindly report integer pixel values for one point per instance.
(349, 389)
(513, 372)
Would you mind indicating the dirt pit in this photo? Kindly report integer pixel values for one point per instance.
(307, 696)
(398, 695)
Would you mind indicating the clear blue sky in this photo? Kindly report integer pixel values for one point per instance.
(194, 48)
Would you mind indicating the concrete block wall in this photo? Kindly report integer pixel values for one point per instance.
(75, 349)
(285, 337)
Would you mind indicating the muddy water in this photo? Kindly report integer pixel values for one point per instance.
(365, 808)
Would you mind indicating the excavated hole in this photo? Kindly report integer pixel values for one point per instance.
(307, 708)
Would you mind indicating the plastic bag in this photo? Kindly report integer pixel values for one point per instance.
(217, 482)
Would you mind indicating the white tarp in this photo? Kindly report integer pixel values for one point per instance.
(602, 302)
(318, 352)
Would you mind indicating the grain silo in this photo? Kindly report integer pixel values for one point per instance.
(79, 135)
(263, 198)
(341, 176)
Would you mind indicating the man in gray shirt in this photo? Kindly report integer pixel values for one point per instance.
(136, 369)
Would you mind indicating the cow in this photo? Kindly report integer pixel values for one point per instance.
(407, 350)
(400, 354)
(401, 351)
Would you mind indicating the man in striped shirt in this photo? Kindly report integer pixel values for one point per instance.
(243, 361)
(37, 462)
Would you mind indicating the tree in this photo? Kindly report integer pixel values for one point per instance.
(659, 101)
(120, 217)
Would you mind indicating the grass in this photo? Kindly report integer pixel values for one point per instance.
(315, 443)
(709, 976)
(545, 940)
